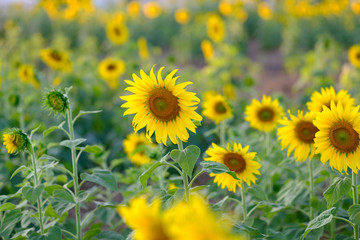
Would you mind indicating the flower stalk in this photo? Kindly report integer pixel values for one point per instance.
(311, 181)
(355, 201)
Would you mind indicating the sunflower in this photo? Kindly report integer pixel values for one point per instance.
(132, 143)
(15, 141)
(207, 49)
(264, 115)
(298, 135)
(182, 16)
(236, 159)
(354, 55)
(152, 9)
(143, 49)
(164, 108)
(229, 91)
(338, 137)
(217, 109)
(27, 75)
(133, 8)
(355, 7)
(215, 28)
(56, 59)
(264, 11)
(225, 7)
(111, 68)
(325, 96)
(117, 32)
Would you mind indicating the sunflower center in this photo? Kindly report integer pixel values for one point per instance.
(305, 131)
(163, 104)
(266, 114)
(117, 31)
(358, 56)
(220, 108)
(56, 56)
(235, 162)
(25, 73)
(343, 137)
(111, 67)
(56, 102)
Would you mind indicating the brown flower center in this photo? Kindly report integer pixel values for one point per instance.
(56, 56)
(266, 114)
(220, 108)
(358, 56)
(117, 31)
(235, 162)
(111, 67)
(343, 137)
(305, 131)
(163, 104)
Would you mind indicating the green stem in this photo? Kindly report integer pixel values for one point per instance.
(333, 221)
(345, 220)
(36, 178)
(355, 201)
(195, 177)
(222, 133)
(311, 180)
(243, 202)
(184, 175)
(75, 175)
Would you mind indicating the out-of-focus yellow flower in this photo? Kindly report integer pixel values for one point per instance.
(182, 16)
(207, 49)
(143, 49)
(354, 55)
(241, 14)
(8, 24)
(215, 28)
(152, 9)
(264, 11)
(111, 68)
(58, 60)
(27, 75)
(225, 7)
(117, 32)
(229, 91)
(57, 81)
(132, 143)
(133, 8)
(355, 7)
(172, 186)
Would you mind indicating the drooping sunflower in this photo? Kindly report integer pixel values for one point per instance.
(217, 109)
(164, 108)
(264, 115)
(215, 28)
(15, 141)
(27, 75)
(237, 159)
(325, 96)
(56, 59)
(152, 9)
(338, 138)
(182, 16)
(354, 55)
(207, 49)
(298, 135)
(132, 143)
(117, 32)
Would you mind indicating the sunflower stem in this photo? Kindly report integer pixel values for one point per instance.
(184, 175)
(36, 181)
(222, 133)
(75, 174)
(311, 180)
(333, 221)
(243, 201)
(355, 201)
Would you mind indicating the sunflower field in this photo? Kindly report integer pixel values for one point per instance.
(179, 120)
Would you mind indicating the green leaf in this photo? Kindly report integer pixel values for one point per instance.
(81, 113)
(108, 235)
(7, 206)
(18, 170)
(257, 192)
(54, 234)
(147, 174)
(354, 214)
(72, 143)
(64, 195)
(93, 149)
(240, 228)
(48, 157)
(50, 130)
(50, 212)
(290, 191)
(186, 158)
(337, 190)
(320, 221)
(102, 177)
(217, 168)
(198, 188)
(11, 218)
(32, 193)
(60, 206)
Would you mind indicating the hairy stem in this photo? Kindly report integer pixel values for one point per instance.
(355, 201)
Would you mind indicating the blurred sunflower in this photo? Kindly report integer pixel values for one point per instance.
(111, 68)
(264, 11)
(132, 143)
(215, 28)
(264, 115)
(207, 49)
(236, 159)
(225, 7)
(229, 91)
(27, 75)
(182, 16)
(56, 59)
(338, 137)
(133, 8)
(298, 135)
(152, 9)
(143, 49)
(164, 108)
(354, 55)
(325, 96)
(217, 109)
(355, 7)
(117, 32)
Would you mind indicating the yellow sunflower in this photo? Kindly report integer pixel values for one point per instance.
(207, 49)
(111, 68)
(354, 55)
(56, 59)
(264, 115)
(264, 11)
(117, 32)
(182, 16)
(236, 159)
(132, 143)
(325, 96)
(164, 108)
(15, 141)
(217, 109)
(133, 8)
(143, 49)
(152, 9)
(225, 7)
(338, 137)
(27, 75)
(215, 28)
(298, 135)
(355, 7)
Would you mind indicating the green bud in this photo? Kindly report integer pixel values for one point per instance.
(57, 101)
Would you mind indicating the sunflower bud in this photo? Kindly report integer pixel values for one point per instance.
(57, 101)
(15, 141)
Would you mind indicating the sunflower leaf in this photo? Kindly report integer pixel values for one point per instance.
(217, 168)
(147, 174)
(186, 158)
(102, 177)
(72, 143)
(320, 221)
(32, 193)
(354, 213)
(339, 188)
